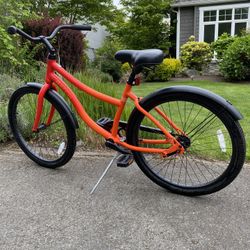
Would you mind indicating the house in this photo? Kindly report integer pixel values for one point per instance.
(95, 39)
(208, 19)
(97, 36)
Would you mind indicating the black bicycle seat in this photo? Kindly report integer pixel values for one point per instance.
(140, 58)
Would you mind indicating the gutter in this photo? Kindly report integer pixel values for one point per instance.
(201, 3)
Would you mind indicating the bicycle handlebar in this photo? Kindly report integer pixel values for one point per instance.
(14, 30)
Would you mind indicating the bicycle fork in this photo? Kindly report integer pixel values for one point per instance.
(39, 108)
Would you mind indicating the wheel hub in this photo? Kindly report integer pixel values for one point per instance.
(184, 141)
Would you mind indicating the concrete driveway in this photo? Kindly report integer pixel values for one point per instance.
(52, 209)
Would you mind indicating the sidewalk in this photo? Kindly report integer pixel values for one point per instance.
(52, 209)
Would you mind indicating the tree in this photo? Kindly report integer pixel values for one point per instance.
(88, 11)
(105, 58)
(12, 13)
(71, 51)
(42, 7)
(144, 24)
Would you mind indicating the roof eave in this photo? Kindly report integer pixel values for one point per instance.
(186, 4)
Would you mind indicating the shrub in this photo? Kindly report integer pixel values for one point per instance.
(222, 44)
(105, 59)
(126, 71)
(125, 68)
(4, 130)
(167, 69)
(7, 87)
(196, 55)
(12, 12)
(69, 43)
(235, 63)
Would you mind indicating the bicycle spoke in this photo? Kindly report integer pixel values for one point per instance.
(192, 122)
(202, 131)
(200, 125)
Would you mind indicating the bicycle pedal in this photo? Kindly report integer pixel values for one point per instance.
(105, 123)
(125, 160)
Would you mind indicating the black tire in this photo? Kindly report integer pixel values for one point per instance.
(204, 168)
(52, 146)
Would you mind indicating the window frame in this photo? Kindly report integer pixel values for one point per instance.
(217, 8)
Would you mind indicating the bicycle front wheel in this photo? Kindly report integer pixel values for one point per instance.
(54, 144)
(214, 144)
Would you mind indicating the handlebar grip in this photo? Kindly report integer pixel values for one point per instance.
(12, 30)
(77, 27)
(82, 27)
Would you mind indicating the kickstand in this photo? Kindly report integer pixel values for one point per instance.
(104, 173)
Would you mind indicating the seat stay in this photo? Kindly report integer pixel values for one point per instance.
(169, 121)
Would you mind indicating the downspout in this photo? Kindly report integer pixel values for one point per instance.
(178, 28)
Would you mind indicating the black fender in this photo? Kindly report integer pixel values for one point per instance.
(58, 99)
(210, 96)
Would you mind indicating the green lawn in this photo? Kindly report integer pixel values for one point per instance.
(237, 93)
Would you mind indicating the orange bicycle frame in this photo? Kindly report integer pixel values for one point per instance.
(53, 81)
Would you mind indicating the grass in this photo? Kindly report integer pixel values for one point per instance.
(7, 85)
(94, 107)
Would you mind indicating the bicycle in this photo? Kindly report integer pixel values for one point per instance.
(185, 139)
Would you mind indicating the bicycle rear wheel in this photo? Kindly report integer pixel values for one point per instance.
(214, 144)
(53, 145)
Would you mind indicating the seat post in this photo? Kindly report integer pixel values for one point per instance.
(131, 78)
(135, 71)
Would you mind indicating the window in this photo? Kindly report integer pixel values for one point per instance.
(225, 28)
(209, 32)
(241, 13)
(210, 16)
(231, 19)
(225, 15)
(239, 28)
